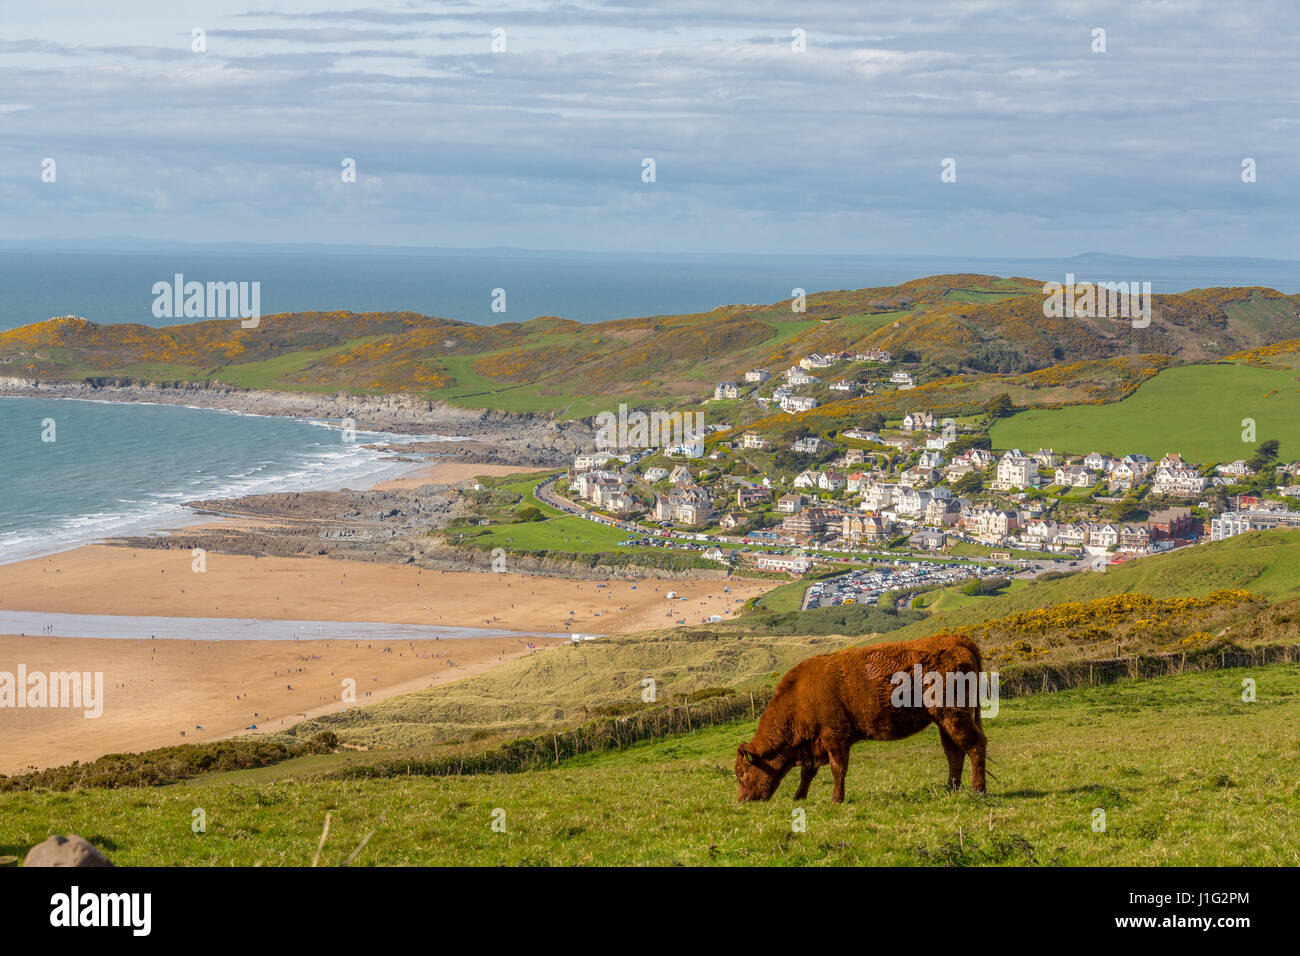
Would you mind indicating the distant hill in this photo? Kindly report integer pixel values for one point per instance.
(956, 329)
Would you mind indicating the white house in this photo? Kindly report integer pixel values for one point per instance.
(1040, 533)
(1183, 481)
(912, 501)
(831, 480)
(1228, 524)
(1016, 470)
(687, 449)
(655, 474)
(916, 421)
(1103, 536)
(589, 462)
(1075, 476)
(798, 403)
(791, 563)
(806, 479)
(878, 497)
(1236, 469)
(808, 445)
(757, 375)
(789, 504)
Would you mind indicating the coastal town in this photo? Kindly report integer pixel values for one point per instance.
(919, 486)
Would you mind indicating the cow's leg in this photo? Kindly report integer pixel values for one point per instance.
(956, 759)
(977, 755)
(839, 757)
(806, 773)
(964, 728)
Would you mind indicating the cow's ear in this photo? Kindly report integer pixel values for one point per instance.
(745, 752)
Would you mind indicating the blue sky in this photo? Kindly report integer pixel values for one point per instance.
(758, 148)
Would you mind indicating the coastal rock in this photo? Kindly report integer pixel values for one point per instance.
(66, 851)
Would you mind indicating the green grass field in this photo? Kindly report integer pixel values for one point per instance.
(1195, 410)
(1186, 773)
(948, 599)
(569, 534)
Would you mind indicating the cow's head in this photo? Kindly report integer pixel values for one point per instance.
(758, 779)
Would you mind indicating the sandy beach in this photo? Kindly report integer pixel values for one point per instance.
(102, 579)
(154, 690)
(450, 472)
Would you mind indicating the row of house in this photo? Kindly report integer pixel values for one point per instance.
(606, 490)
(1171, 476)
(687, 504)
(1162, 526)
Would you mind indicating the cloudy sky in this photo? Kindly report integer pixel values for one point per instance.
(758, 147)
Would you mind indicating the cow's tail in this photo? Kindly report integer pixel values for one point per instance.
(979, 717)
(979, 671)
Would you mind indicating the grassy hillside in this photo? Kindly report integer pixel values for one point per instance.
(1186, 773)
(1266, 563)
(956, 332)
(1195, 410)
(567, 684)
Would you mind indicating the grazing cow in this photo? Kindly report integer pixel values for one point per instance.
(826, 704)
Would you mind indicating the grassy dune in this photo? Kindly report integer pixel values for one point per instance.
(1185, 771)
(567, 684)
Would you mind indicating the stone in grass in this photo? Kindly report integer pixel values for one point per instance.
(66, 851)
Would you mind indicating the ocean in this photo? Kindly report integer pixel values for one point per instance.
(116, 468)
(116, 286)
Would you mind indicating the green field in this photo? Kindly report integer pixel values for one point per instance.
(1185, 771)
(569, 534)
(1195, 410)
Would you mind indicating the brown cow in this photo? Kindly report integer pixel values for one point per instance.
(826, 704)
